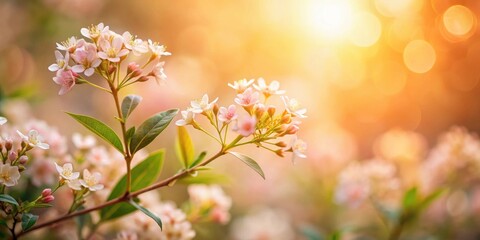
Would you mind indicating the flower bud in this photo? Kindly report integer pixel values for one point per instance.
(286, 118)
(259, 111)
(12, 156)
(279, 153)
(46, 192)
(9, 144)
(215, 109)
(142, 79)
(292, 129)
(2, 144)
(23, 144)
(271, 111)
(134, 69)
(112, 69)
(21, 168)
(23, 159)
(281, 128)
(281, 144)
(48, 199)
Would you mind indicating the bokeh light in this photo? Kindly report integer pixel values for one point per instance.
(419, 56)
(329, 18)
(459, 21)
(366, 29)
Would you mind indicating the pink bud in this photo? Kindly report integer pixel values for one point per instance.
(292, 129)
(12, 156)
(271, 111)
(46, 192)
(48, 199)
(23, 159)
(134, 69)
(9, 144)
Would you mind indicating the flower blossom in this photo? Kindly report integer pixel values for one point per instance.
(241, 85)
(200, 106)
(246, 127)
(85, 142)
(263, 223)
(87, 59)
(70, 44)
(226, 115)
(91, 181)
(293, 107)
(268, 90)
(248, 98)
(66, 79)
(136, 45)
(3, 120)
(34, 139)
(74, 184)
(94, 32)
(299, 148)
(66, 172)
(157, 49)
(157, 72)
(9, 175)
(174, 223)
(213, 198)
(188, 118)
(62, 62)
(111, 49)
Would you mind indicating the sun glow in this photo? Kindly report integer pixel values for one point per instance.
(329, 18)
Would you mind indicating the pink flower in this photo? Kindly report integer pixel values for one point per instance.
(62, 62)
(247, 126)
(247, 98)
(157, 72)
(66, 79)
(112, 50)
(70, 44)
(226, 115)
(87, 59)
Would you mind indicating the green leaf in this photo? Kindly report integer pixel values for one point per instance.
(99, 128)
(8, 199)
(150, 129)
(42, 205)
(198, 160)
(184, 147)
(206, 178)
(429, 199)
(250, 162)
(3, 222)
(147, 212)
(28, 220)
(311, 233)
(410, 198)
(129, 103)
(129, 134)
(143, 175)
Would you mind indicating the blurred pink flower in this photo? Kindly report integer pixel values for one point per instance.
(248, 98)
(158, 73)
(66, 79)
(9, 175)
(246, 127)
(241, 85)
(213, 198)
(272, 89)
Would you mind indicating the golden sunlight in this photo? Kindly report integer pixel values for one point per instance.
(331, 19)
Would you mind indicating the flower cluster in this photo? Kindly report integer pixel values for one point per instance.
(102, 51)
(209, 202)
(261, 121)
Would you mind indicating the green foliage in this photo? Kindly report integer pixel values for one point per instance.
(184, 147)
(143, 175)
(198, 160)
(129, 103)
(205, 178)
(150, 129)
(28, 220)
(250, 162)
(100, 129)
(147, 212)
(8, 199)
(410, 198)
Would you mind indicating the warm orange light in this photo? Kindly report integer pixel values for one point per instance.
(396, 8)
(458, 20)
(419, 56)
(366, 29)
(330, 18)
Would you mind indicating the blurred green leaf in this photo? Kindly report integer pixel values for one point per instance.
(143, 175)
(8, 199)
(311, 234)
(429, 199)
(205, 178)
(150, 129)
(410, 198)
(184, 147)
(250, 162)
(198, 160)
(147, 212)
(28, 220)
(129, 103)
(99, 128)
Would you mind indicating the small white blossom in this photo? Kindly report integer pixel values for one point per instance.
(94, 32)
(112, 50)
(136, 45)
(241, 85)
(188, 117)
(247, 98)
(293, 107)
(34, 139)
(200, 106)
(157, 72)
(268, 90)
(157, 49)
(62, 62)
(9, 175)
(91, 181)
(70, 44)
(74, 184)
(3, 120)
(299, 148)
(84, 142)
(66, 172)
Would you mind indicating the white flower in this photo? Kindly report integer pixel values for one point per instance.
(3, 120)
(241, 85)
(299, 148)
(227, 115)
(268, 90)
(112, 50)
(188, 117)
(91, 181)
(138, 46)
(175, 223)
(74, 184)
(157, 72)
(94, 32)
(9, 175)
(87, 59)
(66, 172)
(293, 107)
(157, 49)
(70, 44)
(62, 62)
(85, 142)
(34, 139)
(199, 106)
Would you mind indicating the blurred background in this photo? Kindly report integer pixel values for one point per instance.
(360, 67)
